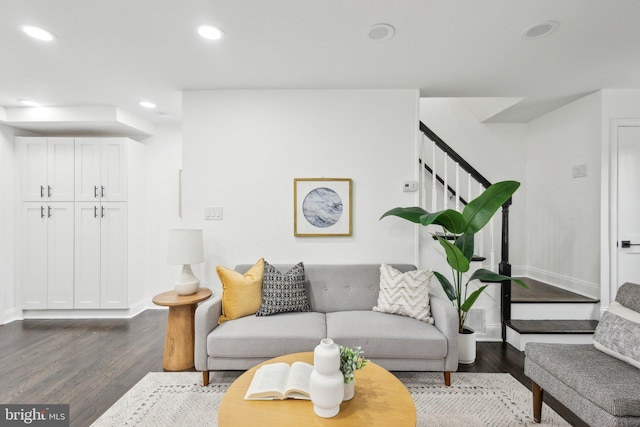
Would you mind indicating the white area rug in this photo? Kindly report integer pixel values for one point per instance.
(178, 399)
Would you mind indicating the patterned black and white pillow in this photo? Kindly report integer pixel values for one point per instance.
(283, 293)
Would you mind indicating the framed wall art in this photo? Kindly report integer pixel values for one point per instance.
(322, 207)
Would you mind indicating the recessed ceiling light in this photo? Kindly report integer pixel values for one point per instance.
(30, 103)
(38, 33)
(147, 104)
(210, 33)
(380, 32)
(540, 30)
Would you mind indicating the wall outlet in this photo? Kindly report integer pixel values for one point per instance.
(410, 186)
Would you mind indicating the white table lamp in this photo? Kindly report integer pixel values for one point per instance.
(185, 247)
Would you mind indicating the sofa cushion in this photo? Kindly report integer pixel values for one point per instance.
(406, 293)
(283, 292)
(386, 335)
(629, 295)
(618, 334)
(268, 336)
(241, 294)
(606, 382)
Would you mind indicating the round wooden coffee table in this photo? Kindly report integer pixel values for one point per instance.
(380, 400)
(179, 338)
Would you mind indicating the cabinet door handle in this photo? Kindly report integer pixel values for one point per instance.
(102, 211)
(48, 191)
(95, 212)
(49, 211)
(102, 191)
(42, 191)
(95, 191)
(41, 211)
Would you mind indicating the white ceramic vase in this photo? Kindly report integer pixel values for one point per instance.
(326, 385)
(467, 347)
(349, 390)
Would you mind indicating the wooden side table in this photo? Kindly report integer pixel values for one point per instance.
(179, 339)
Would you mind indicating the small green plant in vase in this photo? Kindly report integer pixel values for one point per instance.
(351, 360)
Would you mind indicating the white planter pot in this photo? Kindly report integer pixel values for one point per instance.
(349, 390)
(467, 348)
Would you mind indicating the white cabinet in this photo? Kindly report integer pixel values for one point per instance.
(75, 248)
(101, 255)
(47, 169)
(47, 279)
(101, 169)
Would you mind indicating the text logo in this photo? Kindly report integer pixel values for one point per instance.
(34, 415)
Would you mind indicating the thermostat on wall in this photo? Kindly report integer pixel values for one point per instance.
(410, 186)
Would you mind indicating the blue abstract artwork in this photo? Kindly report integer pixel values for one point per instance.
(322, 207)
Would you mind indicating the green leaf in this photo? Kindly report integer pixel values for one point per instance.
(465, 243)
(480, 210)
(489, 276)
(466, 306)
(412, 214)
(446, 285)
(451, 220)
(455, 257)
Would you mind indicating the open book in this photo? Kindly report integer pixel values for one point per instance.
(278, 381)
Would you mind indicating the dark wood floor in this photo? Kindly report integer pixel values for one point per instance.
(90, 364)
(540, 292)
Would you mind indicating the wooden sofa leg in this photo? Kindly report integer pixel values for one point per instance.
(537, 401)
(205, 378)
(447, 378)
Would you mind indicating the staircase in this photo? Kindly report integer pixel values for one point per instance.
(542, 313)
(545, 313)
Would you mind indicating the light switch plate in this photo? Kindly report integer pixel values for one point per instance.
(213, 213)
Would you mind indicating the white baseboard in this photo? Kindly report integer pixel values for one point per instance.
(125, 313)
(591, 290)
(519, 341)
(493, 333)
(10, 315)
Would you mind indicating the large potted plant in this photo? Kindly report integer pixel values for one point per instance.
(457, 240)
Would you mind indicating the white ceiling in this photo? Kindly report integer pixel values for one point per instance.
(115, 53)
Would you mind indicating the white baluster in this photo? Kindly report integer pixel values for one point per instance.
(481, 232)
(434, 188)
(492, 245)
(423, 175)
(445, 191)
(457, 189)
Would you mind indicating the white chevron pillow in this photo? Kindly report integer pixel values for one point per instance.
(406, 294)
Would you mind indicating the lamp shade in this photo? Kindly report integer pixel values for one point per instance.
(185, 246)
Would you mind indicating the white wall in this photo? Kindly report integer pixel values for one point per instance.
(164, 160)
(8, 310)
(242, 150)
(563, 242)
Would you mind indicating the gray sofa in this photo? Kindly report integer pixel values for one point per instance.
(600, 389)
(341, 297)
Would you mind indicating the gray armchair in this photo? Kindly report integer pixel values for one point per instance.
(600, 383)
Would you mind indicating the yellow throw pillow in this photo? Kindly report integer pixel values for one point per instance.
(241, 294)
